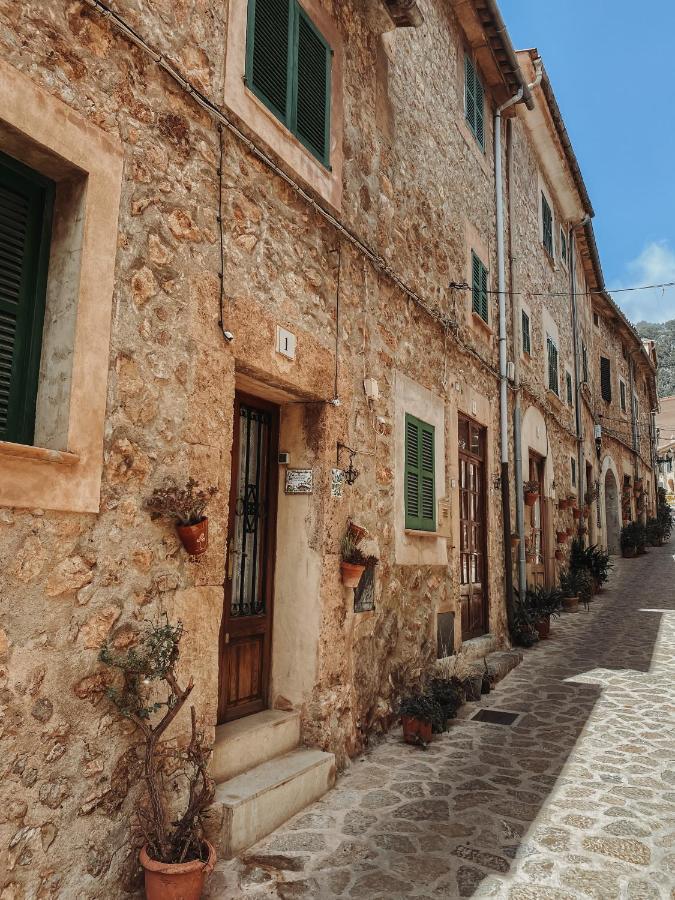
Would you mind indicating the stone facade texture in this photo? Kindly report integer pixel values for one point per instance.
(417, 187)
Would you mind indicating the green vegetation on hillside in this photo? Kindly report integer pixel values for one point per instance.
(664, 335)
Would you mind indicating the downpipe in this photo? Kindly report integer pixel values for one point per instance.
(503, 381)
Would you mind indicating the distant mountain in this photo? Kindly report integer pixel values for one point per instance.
(664, 335)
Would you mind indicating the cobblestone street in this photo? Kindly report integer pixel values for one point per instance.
(577, 799)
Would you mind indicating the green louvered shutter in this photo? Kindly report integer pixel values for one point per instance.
(527, 347)
(474, 101)
(547, 225)
(605, 379)
(268, 53)
(479, 287)
(26, 203)
(312, 88)
(570, 394)
(420, 489)
(553, 382)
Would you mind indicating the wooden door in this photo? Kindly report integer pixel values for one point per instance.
(537, 526)
(473, 535)
(246, 629)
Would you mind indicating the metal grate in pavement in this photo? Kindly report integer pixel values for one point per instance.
(495, 716)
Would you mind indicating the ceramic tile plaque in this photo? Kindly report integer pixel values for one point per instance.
(299, 481)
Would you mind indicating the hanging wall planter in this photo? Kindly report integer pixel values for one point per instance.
(531, 492)
(561, 536)
(563, 504)
(515, 541)
(187, 506)
(576, 513)
(559, 555)
(351, 574)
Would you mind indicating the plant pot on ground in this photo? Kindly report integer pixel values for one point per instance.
(421, 714)
(633, 538)
(186, 505)
(176, 856)
(542, 603)
(575, 585)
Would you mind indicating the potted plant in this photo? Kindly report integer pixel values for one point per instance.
(176, 856)
(628, 541)
(531, 492)
(576, 512)
(561, 536)
(563, 503)
(356, 531)
(559, 555)
(575, 585)
(572, 500)
(589, 497)
(448, 694)
(353, 562)
(420, 712)
(187, 506)
(542, 603)
(515, 540)
(523, 630)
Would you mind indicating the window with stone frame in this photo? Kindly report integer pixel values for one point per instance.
(569, 390)
(546, 225)
(605, 379)
(527, 344)
(622, 396)
(420, 478)
(479, 287)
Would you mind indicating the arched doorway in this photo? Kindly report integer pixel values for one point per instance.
(612, 513)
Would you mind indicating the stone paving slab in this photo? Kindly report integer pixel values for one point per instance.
(576, 800)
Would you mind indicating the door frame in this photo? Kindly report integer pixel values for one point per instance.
(483, 464)
(230, 625)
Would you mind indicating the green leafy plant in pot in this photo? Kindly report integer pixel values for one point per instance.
(353, 561)
(187, 506)
(421, 715)
(523, 628)
(575, 584)
(543, 603)
(633, 538)
(531, 492)
(176, 856)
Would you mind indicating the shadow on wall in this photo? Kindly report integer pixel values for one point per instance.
(446, 820)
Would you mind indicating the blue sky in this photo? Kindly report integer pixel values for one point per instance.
(612, 65)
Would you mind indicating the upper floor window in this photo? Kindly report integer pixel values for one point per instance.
(553, 376)
(563, 246)
(622, 394)
(596, 320)
(288, 67)
(474, 101)
(420, 488)
(527, 345)
(546, 225)
(605, 379)
(584, 362)
(568, 386)
(573, 468)
(479, 287)
(26, 206)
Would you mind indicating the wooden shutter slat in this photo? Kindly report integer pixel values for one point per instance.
(25, 218)
(605, 379)
(313, 87)
(420, 490)
(268, 52)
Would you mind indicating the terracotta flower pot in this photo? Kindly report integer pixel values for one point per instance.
(543, 627)
(559, 555)
(570, 604)
(515, 541)
(356, 531)
(176, 881)
(415, 731)
(561, 537)
(576, 513)
(351, 574)
(531, 498)
(563, 504)
(195, 538)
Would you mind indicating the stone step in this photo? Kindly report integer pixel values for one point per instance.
(250, 806)
(245, 743)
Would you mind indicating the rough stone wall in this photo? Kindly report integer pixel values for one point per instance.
(412, 178)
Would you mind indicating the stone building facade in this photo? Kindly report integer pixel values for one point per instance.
(215, 273)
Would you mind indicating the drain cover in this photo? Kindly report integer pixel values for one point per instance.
(495, 716)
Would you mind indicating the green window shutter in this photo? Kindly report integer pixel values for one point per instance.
(622, 391)
(288, 67)
(552, 351)
(268, 53)
(605, 379)
(527, 347)
(420, 490)
(26, 204)
(479, 287)
(312, 88)
(584, 362)
(547, 225)
(568, 384)
(563, 246)
(474, 101)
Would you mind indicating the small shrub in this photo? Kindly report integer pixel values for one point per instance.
(186, 504)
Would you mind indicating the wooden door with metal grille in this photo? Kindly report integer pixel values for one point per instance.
(473, 535)
(537, 537)
(246, 629)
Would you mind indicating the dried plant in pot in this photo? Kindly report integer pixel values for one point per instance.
(176, 856)
(531, 492)
(421, 715)
(352, 560)
(187, 506)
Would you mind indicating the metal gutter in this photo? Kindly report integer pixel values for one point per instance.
(491, 8)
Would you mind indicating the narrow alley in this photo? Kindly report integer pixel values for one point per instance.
(575, 799)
